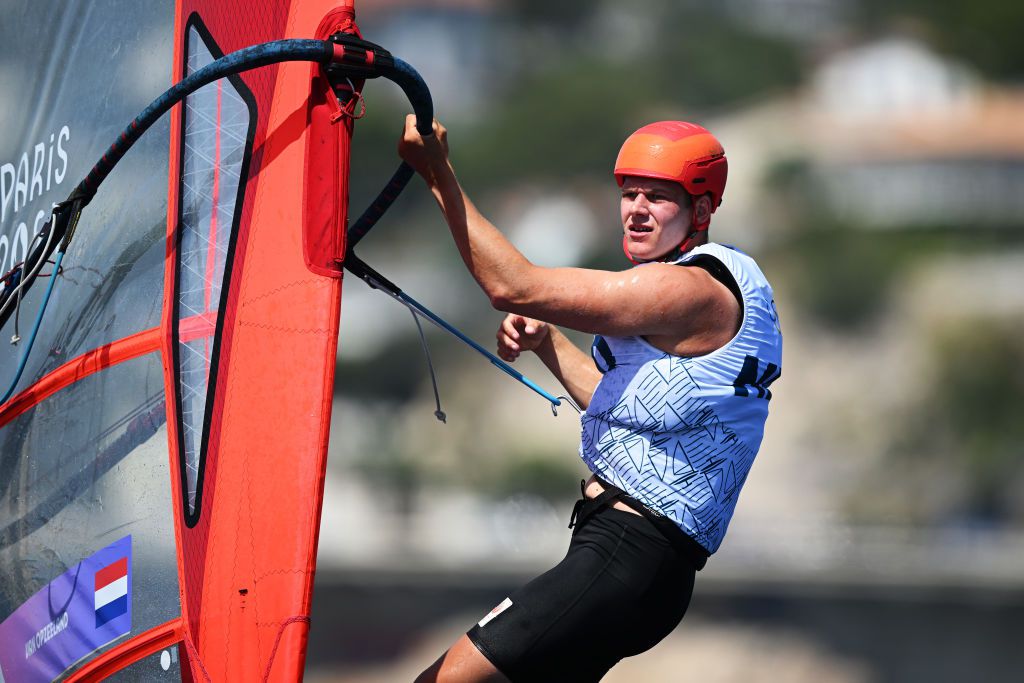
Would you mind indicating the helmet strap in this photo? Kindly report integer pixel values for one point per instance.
(684, 246)
(625, 250)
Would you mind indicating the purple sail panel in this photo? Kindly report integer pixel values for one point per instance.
(74, 615)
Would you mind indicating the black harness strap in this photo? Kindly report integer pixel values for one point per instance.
(585, 507)
(673, 534)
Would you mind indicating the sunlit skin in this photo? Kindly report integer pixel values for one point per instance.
(656, 216)
(462, 663)
(682, 311)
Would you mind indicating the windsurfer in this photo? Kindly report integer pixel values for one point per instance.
(675, 392)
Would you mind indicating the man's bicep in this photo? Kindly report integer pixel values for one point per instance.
(702, 304)
(650, 299)
(718, 270)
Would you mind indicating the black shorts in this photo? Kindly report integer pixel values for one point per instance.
(621, 588)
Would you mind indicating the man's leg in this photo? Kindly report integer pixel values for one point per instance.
(462, 663)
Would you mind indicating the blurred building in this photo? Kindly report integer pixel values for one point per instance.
(803, 21)
(888, 134)
(905, 138)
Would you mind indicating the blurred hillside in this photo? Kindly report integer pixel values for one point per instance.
(877, 174)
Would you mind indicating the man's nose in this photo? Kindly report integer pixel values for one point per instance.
(640, 203)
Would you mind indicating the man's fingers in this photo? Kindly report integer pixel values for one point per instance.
(533, 327)
(518, 333)
(508, 326)
(505, 342)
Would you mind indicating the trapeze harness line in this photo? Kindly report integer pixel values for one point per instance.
(360, 269)
(358, 230)
(345, 57)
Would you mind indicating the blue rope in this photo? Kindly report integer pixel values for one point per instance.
(497, 362)
(375, 280)
(35, 329)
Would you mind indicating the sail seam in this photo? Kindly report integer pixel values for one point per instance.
(304, 619)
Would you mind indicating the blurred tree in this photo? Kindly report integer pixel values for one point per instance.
(395, 474)
(842, 272)
(546, 12)
(970, 422)
(840, 276)
(393, 374)
(564, 122)
(707, 61)
(567, 112)
(985, 33)
(552, 476)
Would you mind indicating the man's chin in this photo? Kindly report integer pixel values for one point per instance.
(644, 253)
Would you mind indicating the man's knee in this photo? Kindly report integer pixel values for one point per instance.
(462, 663)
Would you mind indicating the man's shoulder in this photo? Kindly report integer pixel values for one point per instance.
(735, 259)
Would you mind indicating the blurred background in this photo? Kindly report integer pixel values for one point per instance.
(876, 157)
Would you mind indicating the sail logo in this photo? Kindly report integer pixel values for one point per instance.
(80, 611)
(45, 634)
(25, 188)
(111, 592)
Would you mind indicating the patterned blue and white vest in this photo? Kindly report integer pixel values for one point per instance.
(680, 434)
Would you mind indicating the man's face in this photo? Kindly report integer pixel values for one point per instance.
(656, 216)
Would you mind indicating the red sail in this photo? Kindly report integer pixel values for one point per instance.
(187, 419)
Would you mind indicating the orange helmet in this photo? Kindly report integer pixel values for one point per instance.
(682, 152)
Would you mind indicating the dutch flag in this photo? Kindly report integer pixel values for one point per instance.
(111, 598)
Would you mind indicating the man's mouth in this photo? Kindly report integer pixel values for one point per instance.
(639, 229)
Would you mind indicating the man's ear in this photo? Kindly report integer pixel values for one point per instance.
(701, 212)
